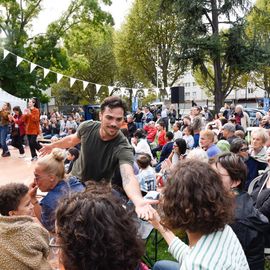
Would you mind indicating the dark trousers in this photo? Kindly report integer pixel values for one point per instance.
(33, 144)
(17, 141)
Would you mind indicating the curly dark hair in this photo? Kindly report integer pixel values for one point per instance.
(195, 199)
(235, 167)
(97, 233)
(10, 197)
(113, 102)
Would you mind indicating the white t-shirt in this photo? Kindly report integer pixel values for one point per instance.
(147, 179)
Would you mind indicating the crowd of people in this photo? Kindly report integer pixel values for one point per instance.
(210, 174)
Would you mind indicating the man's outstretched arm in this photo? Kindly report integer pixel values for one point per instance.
(131, 186)
(66, 142)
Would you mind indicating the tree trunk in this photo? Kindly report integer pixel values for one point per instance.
(218, 93)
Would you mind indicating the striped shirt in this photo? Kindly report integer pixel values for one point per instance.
(219, 250)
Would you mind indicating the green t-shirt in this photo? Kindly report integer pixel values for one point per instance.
(98, 159)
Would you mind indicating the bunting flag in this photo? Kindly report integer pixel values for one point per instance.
(6, 53)
(19, 60)
(46, 72)
(145, 91)
(98, 87)
(85, 84)
(119, 91)
(156, 90)
(59, 77)
(110, 89)
(32, 67)
(71, 81)
(122, 90)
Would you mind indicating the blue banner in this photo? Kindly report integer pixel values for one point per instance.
(266, 104)
(135, 104)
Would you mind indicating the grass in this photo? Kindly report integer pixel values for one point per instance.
(163, 253)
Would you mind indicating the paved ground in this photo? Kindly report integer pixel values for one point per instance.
(14, 169)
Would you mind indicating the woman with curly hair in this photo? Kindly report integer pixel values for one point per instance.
(95, 232)
(50, 177)
(196, 201)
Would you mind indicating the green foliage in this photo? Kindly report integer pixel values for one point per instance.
(90, 57)
(258, 31)
(15, 23)
(205, 42)
(148, 34)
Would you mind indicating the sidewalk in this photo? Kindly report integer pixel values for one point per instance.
(15, 169)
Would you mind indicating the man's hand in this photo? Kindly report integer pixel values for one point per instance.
(144, 209)
(46, 149)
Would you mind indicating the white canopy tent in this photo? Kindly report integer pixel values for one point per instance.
(14, 101)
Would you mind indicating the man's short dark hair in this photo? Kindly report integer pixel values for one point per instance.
(169, 135)
(10, 197)
(113, 102)
(196, 200)
(96, 232)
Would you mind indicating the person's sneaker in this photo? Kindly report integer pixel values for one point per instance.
(21, 155)
(34, 158)
(6, 154)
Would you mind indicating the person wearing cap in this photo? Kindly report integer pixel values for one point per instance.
(228, 131)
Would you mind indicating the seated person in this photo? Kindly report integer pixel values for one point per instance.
(188, 136)
(249, 224)
(50, 177)
(140, 144)
(166, 150)
(168, 147)
(151, 131)
(24, 243)
(72, 155)
(96, 232)
(146, 176)
(195, 200)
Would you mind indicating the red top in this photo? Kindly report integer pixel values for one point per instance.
(161, 138)
(32, 122)
(19, 120)
(151, 133)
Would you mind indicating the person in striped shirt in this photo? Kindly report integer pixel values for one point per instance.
(195, 200)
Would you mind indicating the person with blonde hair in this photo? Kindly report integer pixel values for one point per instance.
(207, 138)
(50, 177)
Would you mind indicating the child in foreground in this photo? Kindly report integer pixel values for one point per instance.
(24, 243)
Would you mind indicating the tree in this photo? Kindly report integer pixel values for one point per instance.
(91, 59)
(258, 29)
(44, 49)
(146, 42)
(205, 41)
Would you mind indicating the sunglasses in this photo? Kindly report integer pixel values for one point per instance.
(245, 149)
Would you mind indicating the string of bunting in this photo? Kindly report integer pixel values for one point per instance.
(72, 80)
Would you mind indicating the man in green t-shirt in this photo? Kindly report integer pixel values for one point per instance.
(103, 147)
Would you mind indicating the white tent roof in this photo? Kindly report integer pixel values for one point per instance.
(14, 101)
